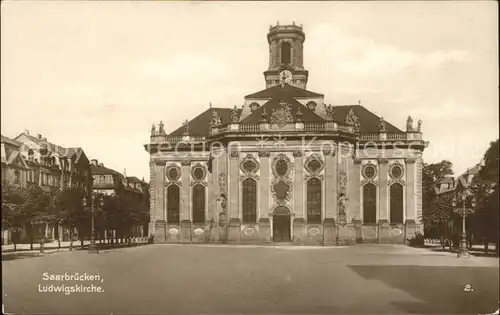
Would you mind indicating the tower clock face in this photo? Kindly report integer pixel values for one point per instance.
(285, 76)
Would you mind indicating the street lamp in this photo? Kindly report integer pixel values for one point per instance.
(93, 246)
(463, 210)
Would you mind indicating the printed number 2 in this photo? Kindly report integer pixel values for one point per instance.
(468, 288)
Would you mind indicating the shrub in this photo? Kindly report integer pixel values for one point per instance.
(417, 240)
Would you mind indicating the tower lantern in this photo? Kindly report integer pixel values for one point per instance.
(286, 56)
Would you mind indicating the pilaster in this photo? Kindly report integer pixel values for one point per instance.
(331, 197)
(410, 225)
(298, 186)
(383, 209)
(264, 186)
(185, 202)
(234, 227)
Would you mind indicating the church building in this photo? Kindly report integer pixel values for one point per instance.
(285, 166)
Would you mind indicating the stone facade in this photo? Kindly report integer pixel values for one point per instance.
(286, 167)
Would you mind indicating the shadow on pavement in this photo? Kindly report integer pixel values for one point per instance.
(16, 256)
(442, 290)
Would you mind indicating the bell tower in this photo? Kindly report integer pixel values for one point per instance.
(286, 56)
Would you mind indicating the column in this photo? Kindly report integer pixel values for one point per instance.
(331, 207)
(185, 202)
(234, 200)
(410, 224)
(159, 212)
(299, 229)
(264, 188)
(383, 207)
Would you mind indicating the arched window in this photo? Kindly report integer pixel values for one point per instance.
(173, 204)
(369, 203)
(396, 203)
(198, 204)
(314, 201)
(285, 53)
(249, 201)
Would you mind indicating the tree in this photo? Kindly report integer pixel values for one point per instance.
(13, 197)
(70, 209)
(435, 209)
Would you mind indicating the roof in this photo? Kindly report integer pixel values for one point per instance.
(279, 91)
(369, 122)
(101, 170)
(198, 126)
(307, 114)
(10, 141)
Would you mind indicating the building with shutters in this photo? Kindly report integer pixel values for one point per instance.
(286, 167)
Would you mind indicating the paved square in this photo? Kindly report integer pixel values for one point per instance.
(174, 279)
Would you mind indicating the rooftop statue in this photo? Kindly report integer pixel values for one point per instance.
(235, 114)
(161, 131)
(409, 124)
(185, 124)
(383, 125)
(153, 130)
(419, 125)
(216, 121)
(330, 112)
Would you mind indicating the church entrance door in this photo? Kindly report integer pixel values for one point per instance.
(281, 225)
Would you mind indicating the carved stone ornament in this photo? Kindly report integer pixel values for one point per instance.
(264, 154)
(382, 125)
(198, 173)
(235, 154)
(249, 167)
(186, 163)
(396, 173)
(222, 182)
(330, 113)
(410, 160)
(297, 153)
(314, 164)
(281, 166)
(282, 115)
(350, 118)
(153, 130)
(342, 179)
(329, 152)
(281, 190)
(357, 161)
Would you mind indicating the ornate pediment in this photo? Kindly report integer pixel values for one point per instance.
(314, 164)
(173, 175)
(198, 174)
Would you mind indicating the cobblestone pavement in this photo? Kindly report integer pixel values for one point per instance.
(191, 279)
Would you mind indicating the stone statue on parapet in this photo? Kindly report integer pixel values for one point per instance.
(409, 124)
(216, 121)
(419, 125)
(382, 125)
(186, 126)
(153, 130)
(264, 117)
(235, 114)
(298, 115)
(330, 112)
(161, 131)
(352, 120)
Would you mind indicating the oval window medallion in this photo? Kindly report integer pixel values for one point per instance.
(198, 231)
(173, 232)
(396, 171)
(369, 172)
(396, 232)
(249, 231)
(281, 168)
(314, 165)
(199, 173)
(314, 231)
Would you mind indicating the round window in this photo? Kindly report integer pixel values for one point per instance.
(198, 173)
(281, 168)
(369, 172)
(396, 171)
(173, 173)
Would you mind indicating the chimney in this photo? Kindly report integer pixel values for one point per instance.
(44, 139)
(39, 136)
(93, 162)
(125, 172)
(26, 131)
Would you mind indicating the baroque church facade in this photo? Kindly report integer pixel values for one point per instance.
(286, 167)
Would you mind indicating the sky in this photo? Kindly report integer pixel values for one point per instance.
(99, 74)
